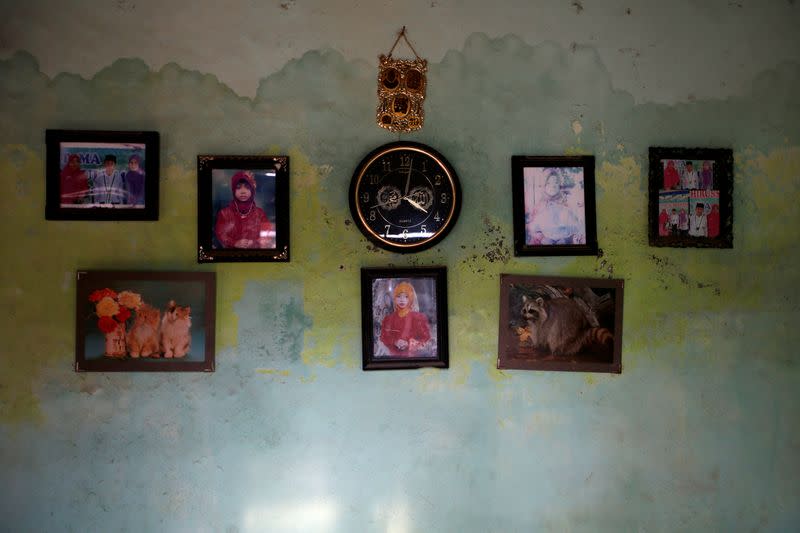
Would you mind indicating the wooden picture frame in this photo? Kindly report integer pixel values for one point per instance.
(404, 318)
(128, 321)
(553, 202)
(101, 175)
(230, 229)
(690, 197)
(559, 323)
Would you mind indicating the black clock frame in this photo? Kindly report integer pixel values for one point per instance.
(358, 216)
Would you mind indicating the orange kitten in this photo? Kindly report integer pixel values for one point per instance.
(175, 337)
(143, 337)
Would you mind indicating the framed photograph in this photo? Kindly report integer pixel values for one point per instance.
(145, 321)
(553, 205)
(691, 197)
(101, 175)
(243, 208)
(404, 318)
(553, 323)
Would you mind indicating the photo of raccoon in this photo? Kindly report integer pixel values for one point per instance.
(560, 327)
(560, 323)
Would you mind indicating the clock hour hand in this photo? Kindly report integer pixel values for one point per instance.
(408, 177)
(415, 204)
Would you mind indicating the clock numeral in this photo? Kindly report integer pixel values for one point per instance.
(444, 198)
(424, 166)
(436, 217)
(372, 215)
(374, 179)
(437, 180)
(365, 197)
(405, 160)
(405, 234)
(387, 230)
(423, 229)
(387, 165)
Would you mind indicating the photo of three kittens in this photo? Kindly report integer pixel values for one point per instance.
(152, 335)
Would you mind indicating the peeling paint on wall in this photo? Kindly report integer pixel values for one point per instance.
(705, 407)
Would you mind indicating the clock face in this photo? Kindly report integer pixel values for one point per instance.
(405, 196)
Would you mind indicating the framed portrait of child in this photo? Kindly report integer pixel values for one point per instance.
(102, 175)
(691, 197)
(243, 208)
(404, 318)
(553, 205)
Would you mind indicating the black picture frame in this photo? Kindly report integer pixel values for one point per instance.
(580, 332)
(393, 339)
(705, 189)
(536, 206)
(101, 175)
(131, 321)
(265, 235)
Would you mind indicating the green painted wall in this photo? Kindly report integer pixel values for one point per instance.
(700, 432)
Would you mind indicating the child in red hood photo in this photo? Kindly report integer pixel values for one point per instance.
(241, 223)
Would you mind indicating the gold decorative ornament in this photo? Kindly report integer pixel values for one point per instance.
(401, 90)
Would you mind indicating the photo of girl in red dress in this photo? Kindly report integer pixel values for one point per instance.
(404, 318)
(242, 223)
(405, 331)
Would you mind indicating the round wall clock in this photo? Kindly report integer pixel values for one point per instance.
(405, 196)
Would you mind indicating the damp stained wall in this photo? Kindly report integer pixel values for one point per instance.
(700, 432)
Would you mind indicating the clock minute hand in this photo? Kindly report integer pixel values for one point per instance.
(415, 204)
(408, 177)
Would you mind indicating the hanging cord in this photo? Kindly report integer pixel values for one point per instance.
(403, 35)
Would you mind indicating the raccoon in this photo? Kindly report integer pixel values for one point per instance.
(560, 327)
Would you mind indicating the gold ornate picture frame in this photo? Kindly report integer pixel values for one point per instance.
(401, 90)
